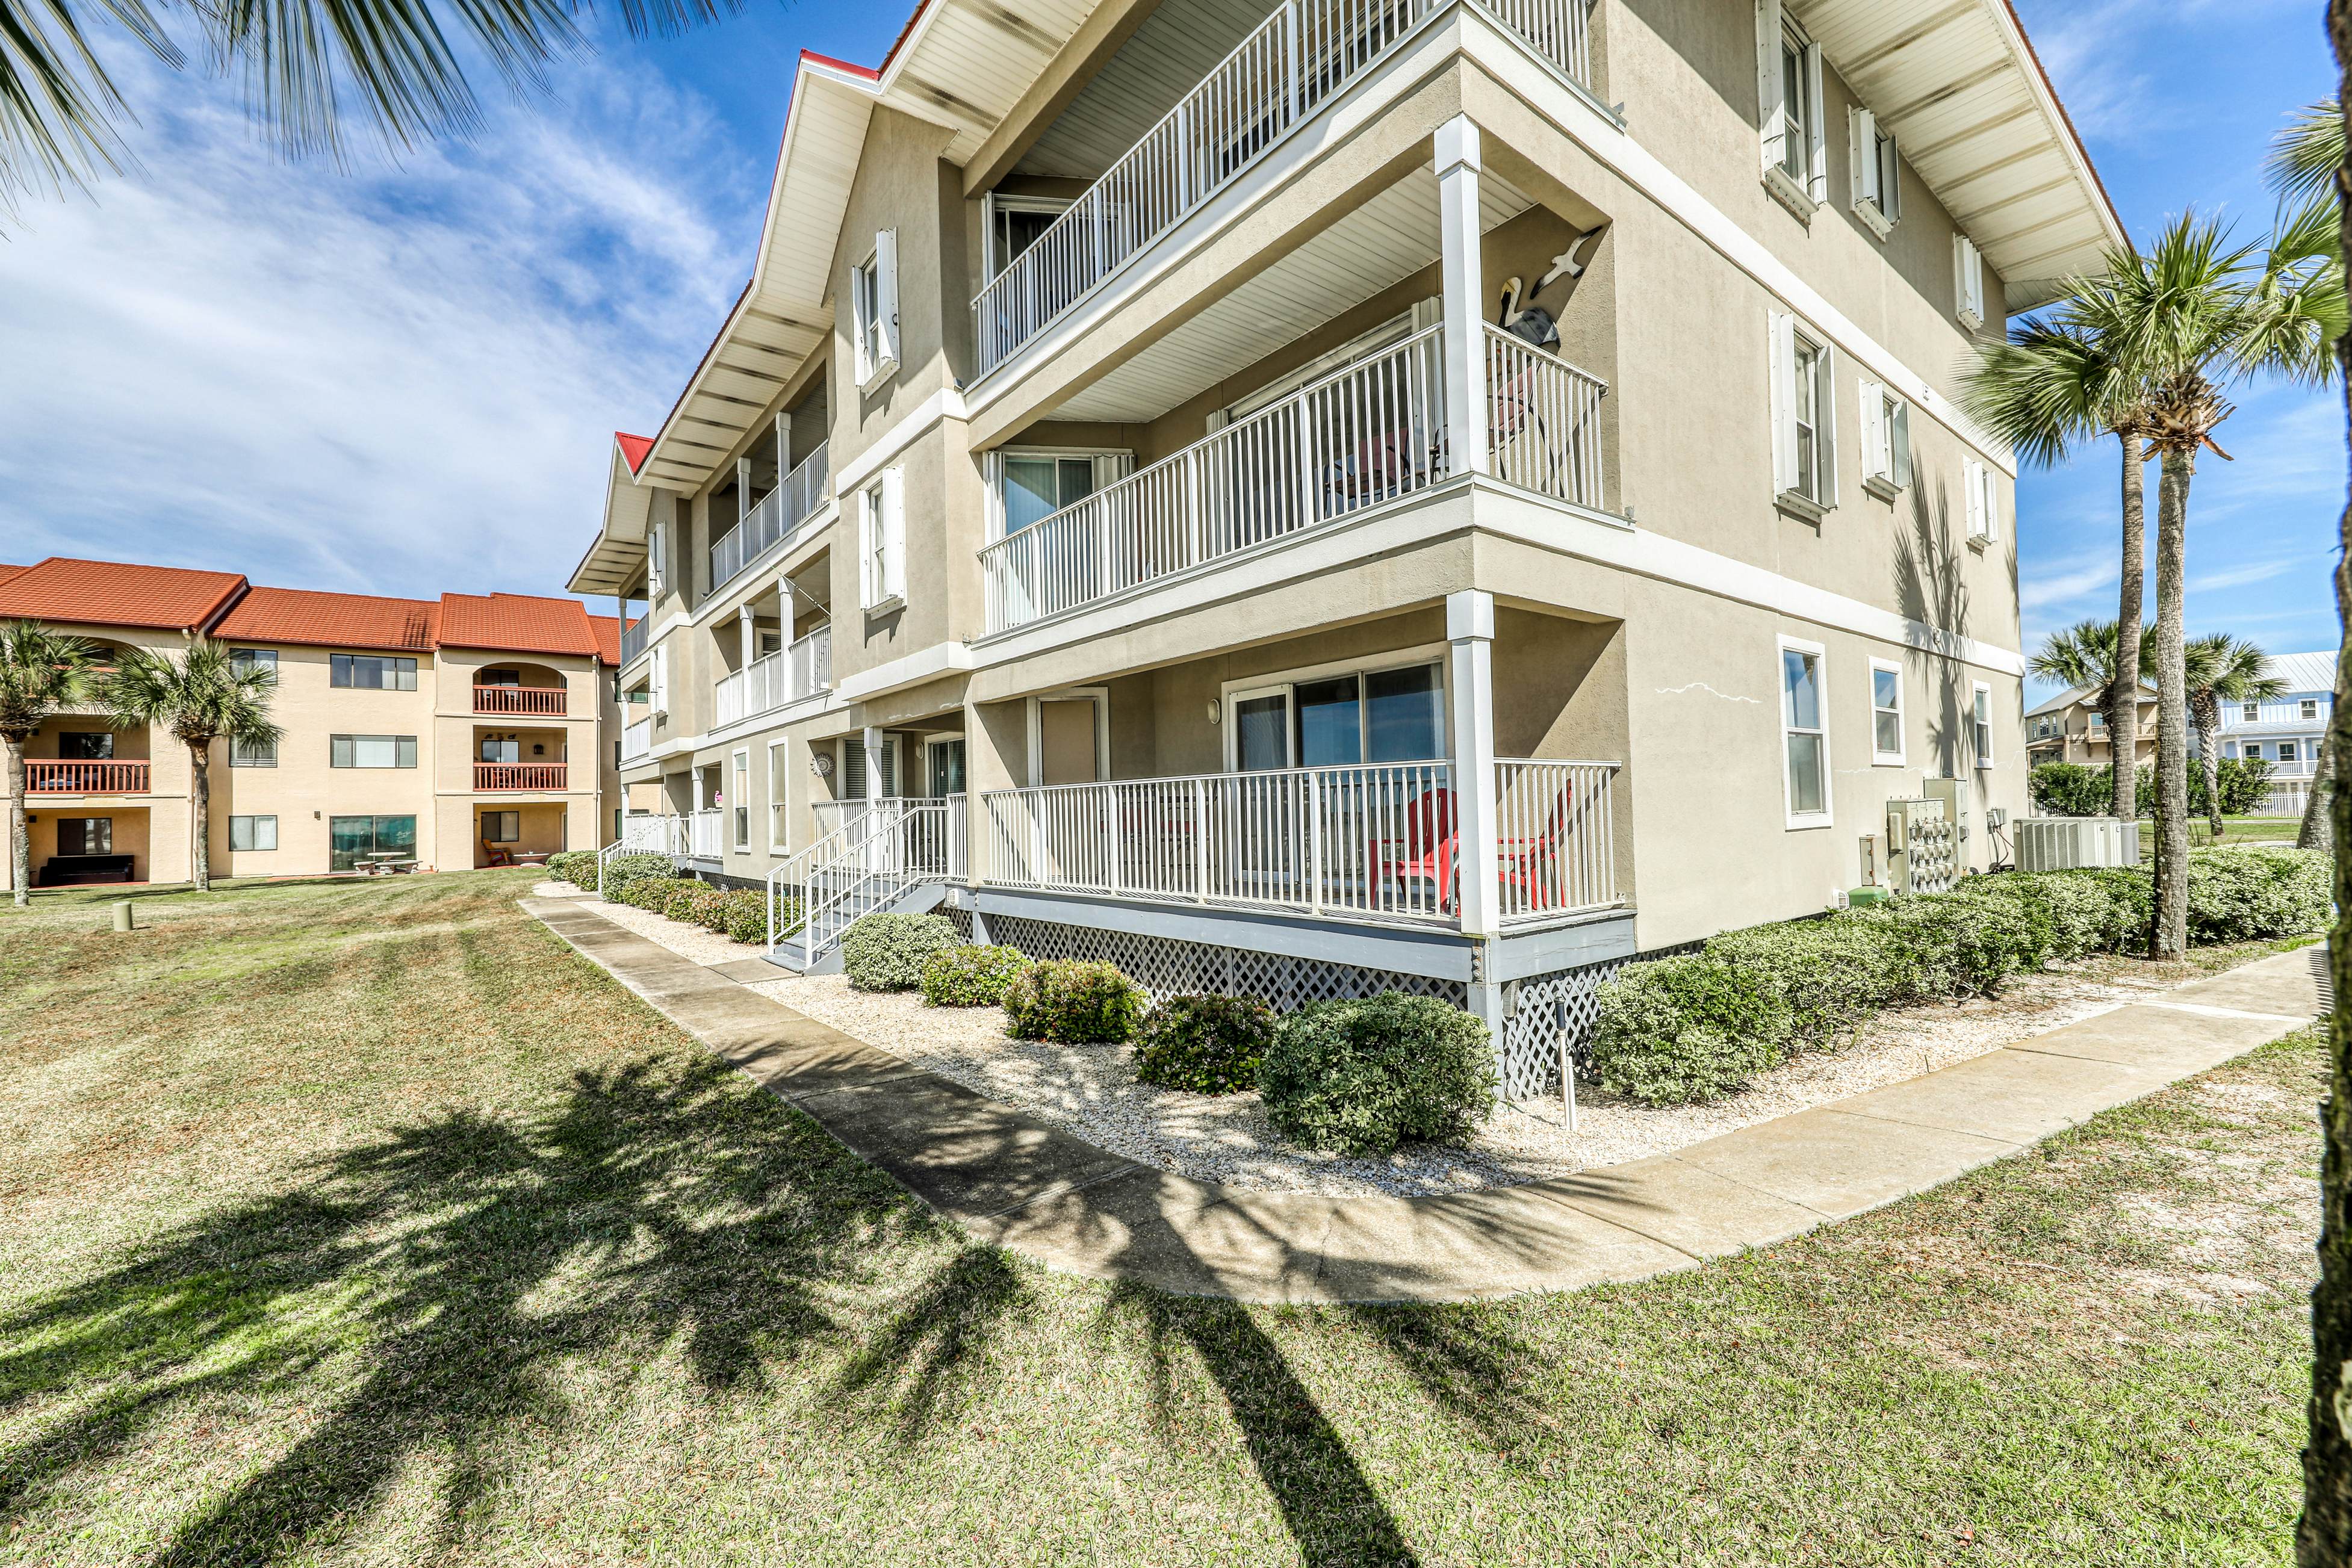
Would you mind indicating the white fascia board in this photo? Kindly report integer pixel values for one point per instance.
(911, 670)
(943, 404)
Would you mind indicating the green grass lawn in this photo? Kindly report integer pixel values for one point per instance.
(2234, 831)
(363, 1223)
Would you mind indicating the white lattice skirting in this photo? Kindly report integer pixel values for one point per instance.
(1166, 967)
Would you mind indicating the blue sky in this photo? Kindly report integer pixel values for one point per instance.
(402, 377)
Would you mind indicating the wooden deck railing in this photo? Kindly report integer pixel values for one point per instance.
(47, 776)
(547, 700)
(518, 774)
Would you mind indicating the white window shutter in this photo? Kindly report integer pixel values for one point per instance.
(894, 533)
(1768, 79)
(1967, 276)
(1991, 503)
(886, 291)
(1972, 481)
(1818, 186)
(868, 521)
(992, 481)
(1899, 439)
(1826, 417)
(1862, 153)
(1784, 403)
(1874, 457)
(1890, 178)
(653, 564)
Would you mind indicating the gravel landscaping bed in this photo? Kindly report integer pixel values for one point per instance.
(1091, 1091)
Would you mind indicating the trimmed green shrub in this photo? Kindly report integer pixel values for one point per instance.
(970, 976)
(694, 903)
(1365, 1077)
(2071, 789)
(1686, 1028)
(2237, 895)
(887, 952)
(577, 867)
(623, 870)
(1209, 1045)
(1832, 973)
(740, 913)
(652, 893)
(1072, 1003)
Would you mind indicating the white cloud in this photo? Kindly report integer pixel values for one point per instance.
(398, 379)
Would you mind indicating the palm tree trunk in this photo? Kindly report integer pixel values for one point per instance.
(2171, 707)
(2123, 718)
(2312, 834)
(2324, 1536)
(200, 791)
(2206, 712)
(20, 839)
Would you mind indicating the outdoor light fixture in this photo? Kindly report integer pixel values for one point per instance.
(1214, 710)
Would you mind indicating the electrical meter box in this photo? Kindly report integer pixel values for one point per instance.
(1922, 847)
(1958, 796)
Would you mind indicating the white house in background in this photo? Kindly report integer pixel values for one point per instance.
(2286, 732)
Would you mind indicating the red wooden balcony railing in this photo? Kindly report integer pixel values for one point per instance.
(519, 699)
(48, 776)
(518, 774)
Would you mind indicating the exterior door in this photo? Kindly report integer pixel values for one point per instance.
(944, 767)
(1066, 736)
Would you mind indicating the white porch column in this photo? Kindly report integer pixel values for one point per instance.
(783, 446)
(871, 739)
(748, 633)
(742, 489)
(1470, 639)
(1463, 293)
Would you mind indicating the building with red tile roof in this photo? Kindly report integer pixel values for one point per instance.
(117, 593)
(319, 620)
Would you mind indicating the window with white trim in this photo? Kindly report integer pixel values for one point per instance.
(882, 540)
(874, 307)
(2250, 712)
(1878, 171)
(1886, 440)
(1805, 734)
(1788, 88)
(262, 753)
(2286, 751)
(2307, 708)
(739, 804)
(1968, 277)
(1804, 418)
(1980, 481)
(253, 833)
(1981, 724)
(780, 774)
(1886, 713)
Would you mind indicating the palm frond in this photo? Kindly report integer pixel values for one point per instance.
(41, 670)
(202, 696)
(2304, 156)
(2045, 390)
(58, 104)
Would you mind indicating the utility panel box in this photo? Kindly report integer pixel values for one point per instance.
(2064, 844)
(1958, 796)
(1922, 847)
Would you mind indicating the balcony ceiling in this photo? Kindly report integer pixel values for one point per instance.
(1370, 249)
(1165, 58)
(1960, 85)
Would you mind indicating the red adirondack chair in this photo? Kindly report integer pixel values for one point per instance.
(1427, 852)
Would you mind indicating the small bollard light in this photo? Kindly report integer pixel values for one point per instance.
(122, 920)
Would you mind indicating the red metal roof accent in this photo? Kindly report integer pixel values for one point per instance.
(519, 623)
(868, 72)
(116, 593)
(316, 620)
(633, 448)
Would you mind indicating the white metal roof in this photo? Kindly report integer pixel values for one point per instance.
(2305, 672)
(1960, 87)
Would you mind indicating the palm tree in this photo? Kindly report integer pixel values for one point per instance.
(2045, 391)
(304, 65)
(204, 696)
(2220, 669)
(41, 671)
(2082, 658)
(2179, 325)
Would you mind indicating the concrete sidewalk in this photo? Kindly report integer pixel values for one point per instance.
(1013, 1180)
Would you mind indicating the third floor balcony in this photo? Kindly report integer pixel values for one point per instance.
(787, 675)
(1304, 56)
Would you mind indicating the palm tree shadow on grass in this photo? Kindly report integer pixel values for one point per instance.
(467, 1257)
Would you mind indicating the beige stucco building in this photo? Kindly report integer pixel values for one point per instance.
(429, 734)
(2072, 727)
(1312, 498)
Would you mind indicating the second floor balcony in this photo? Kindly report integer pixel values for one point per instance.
(52, 776)
(787, 675)
(527, 775)
(637, 741)
(1369, 435)
(634, 634)
(537, 701)
(774, 521)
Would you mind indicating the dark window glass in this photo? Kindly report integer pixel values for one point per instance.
(86, 745)
(1404, 716)
(1327, 722)
(353, 841)
(372, 672)
(85, 835)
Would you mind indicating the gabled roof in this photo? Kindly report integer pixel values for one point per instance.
(1974, 114)
(2074, 695)
(2304, 672)
(633, 448)
(517, 624)
(608, 637)
(615, 558)
(319, 620)
(117, 593)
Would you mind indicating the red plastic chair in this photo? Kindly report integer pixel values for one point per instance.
(1427, 852)
(1521, 860)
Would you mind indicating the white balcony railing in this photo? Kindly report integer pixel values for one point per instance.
(1365, 435)
(1373, 842)
(1543, 421)
(653, 835)
(779, 513)
(705, 830)
(1305, 54)
(634, 634)
(637, 741)
(786, 677)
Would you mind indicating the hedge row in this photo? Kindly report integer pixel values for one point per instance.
(1700, 1026)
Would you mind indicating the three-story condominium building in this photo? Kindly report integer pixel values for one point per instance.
(1319, 496)
(419, 734)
